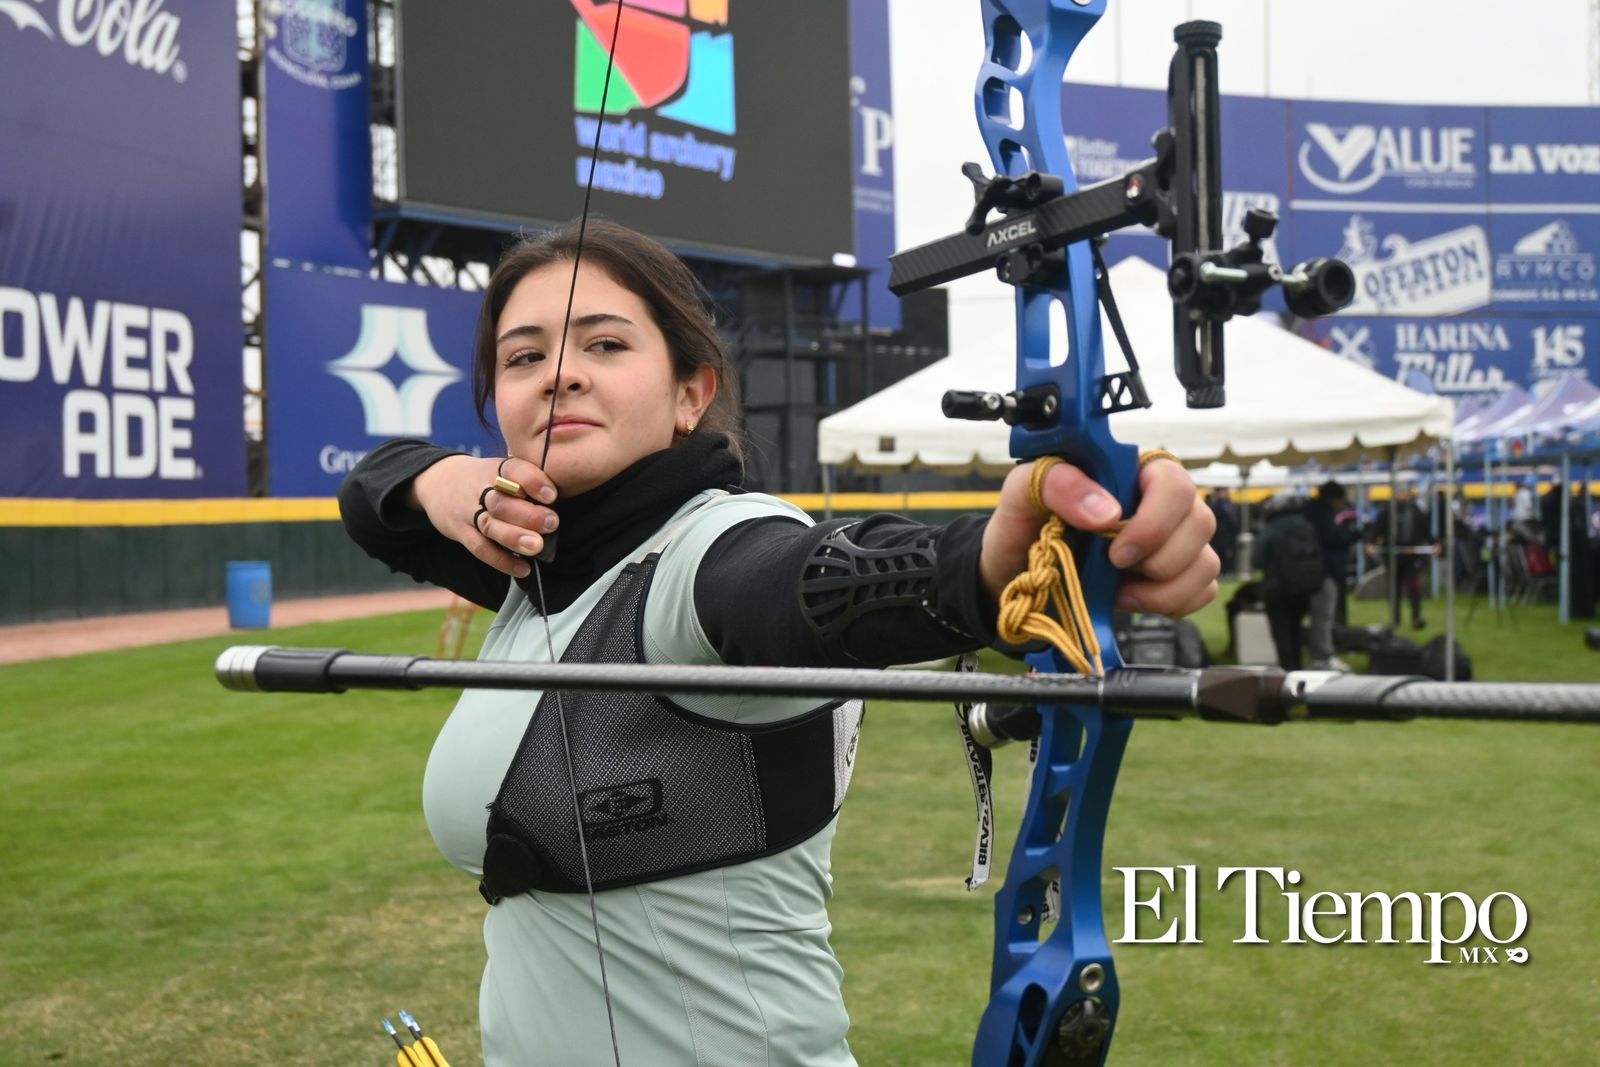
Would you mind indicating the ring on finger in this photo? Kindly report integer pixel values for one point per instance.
(508, 487)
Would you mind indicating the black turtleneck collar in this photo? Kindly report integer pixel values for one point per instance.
(598, 528)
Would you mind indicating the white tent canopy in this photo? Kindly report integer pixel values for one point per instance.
(1289, 401)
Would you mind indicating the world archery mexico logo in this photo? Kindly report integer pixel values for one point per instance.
(664, 61)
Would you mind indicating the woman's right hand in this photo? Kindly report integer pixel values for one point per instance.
(448, 493)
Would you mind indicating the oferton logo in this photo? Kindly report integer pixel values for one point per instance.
(663, 62)
(387, 334)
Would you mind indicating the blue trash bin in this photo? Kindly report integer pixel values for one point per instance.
(249, 594)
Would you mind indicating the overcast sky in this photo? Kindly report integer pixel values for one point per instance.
(1408, 51)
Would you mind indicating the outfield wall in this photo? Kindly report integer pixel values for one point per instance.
(67, 559)
(72, 559)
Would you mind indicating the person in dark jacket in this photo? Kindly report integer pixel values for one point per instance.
(1329, 512)
(1289, 556)
(1226, 512)
(1414, 540)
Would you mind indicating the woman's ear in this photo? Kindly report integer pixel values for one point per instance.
(695, 394)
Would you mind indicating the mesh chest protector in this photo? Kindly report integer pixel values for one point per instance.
(662, 791)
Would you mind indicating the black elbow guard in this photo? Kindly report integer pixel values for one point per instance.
(844, 581)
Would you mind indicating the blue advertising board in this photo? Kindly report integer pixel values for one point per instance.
(1473, 232)
(1400, 193)
(355, 362)
(873, 144)
(121, 367)
(1405, 263)
(318, 149)
(1544, 172)
(1387, 154)
(1469, 355)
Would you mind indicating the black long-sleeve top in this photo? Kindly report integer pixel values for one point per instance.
(750, 592)
(1334, 536)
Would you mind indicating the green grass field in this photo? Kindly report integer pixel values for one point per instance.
(192, 876)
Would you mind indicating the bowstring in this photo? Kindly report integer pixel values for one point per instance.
(538, 575)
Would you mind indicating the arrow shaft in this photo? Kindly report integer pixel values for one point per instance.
(1218, 693)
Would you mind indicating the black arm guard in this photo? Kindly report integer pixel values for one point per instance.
(875, 591)
(844, 581)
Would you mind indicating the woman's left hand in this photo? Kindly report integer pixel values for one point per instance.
(1165, 549)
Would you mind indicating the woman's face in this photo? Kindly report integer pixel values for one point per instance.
(618, 400)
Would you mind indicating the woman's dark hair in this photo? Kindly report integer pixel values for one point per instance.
(645, 268)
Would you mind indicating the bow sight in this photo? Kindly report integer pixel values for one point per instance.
(1178, 194)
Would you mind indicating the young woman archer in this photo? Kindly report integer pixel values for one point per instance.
(706, 822)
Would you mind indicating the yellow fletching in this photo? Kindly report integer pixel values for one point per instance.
(433, 1050)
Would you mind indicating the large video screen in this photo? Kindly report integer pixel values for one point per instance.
(726, 130)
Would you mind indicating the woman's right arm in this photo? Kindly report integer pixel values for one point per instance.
(409, 504)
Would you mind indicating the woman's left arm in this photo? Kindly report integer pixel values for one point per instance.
(887, 590)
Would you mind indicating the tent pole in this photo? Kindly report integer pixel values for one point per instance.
(1361, 517)
(1433, 527)
(1394, 532)
(827, 491)
(1503, 518)
(1564, 614)
(1244, 541)
(1488, 522)
(1450, 561)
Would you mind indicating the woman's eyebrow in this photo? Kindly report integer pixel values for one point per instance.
(595, 319)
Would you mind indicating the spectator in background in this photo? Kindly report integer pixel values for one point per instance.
(1290, 558)
(1411, 534)
(1226, 539)
(1550, 518)
(1524, 501)
(1329, 513)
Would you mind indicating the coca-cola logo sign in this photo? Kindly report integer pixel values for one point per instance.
(140, 31)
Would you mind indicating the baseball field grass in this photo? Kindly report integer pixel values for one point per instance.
(193, 876)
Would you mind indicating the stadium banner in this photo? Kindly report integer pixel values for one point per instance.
(1393, 157)
(121, 367)
(1544, 170)
(727, 129)
(1404, 264)
(317, 140)
(354, 362)
(1400, 193)
(873, 139)
(1466, 356)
